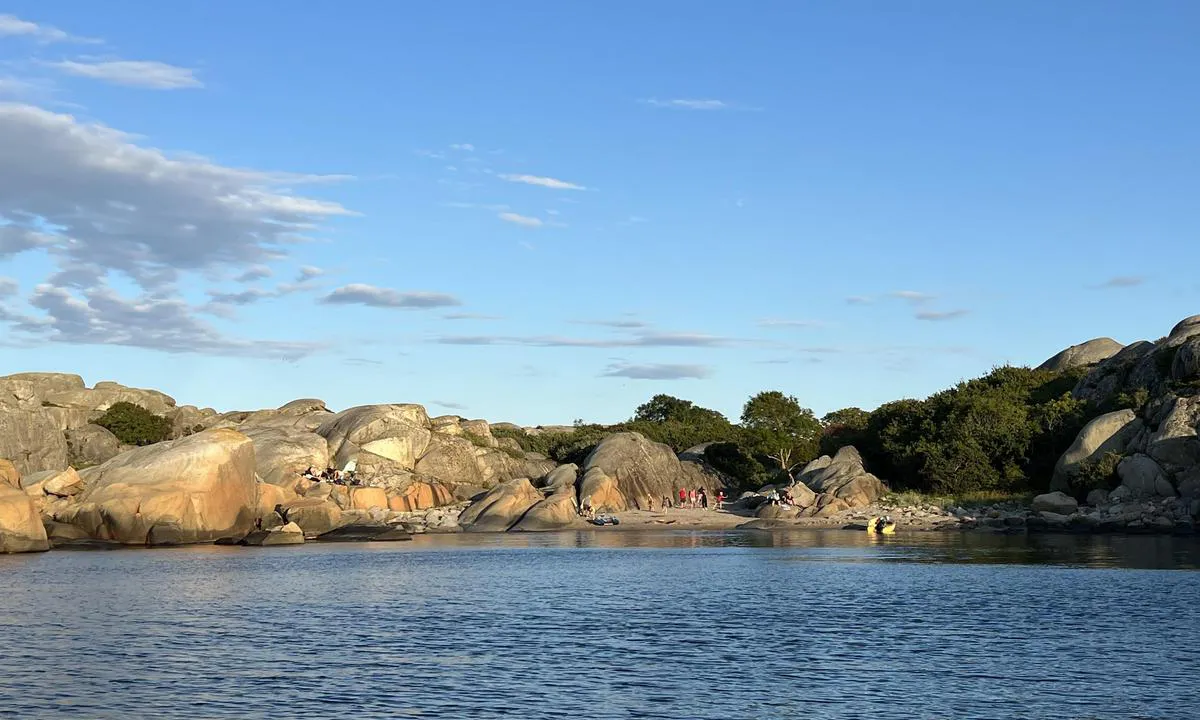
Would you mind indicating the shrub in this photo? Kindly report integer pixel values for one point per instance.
(728, 458)
(134, 424)
(1098, 474)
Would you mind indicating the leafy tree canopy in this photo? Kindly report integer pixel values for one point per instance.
(134, 424)
(779, 428)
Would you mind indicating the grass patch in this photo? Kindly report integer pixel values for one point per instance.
(974, 498)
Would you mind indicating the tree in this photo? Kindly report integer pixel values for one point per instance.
(662, 408)
(843, 427)
(680, 423)
(134, 424)
(780, 429)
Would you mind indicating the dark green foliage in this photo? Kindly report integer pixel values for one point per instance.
(135, 425)
(731, 460)
(778, 428)
(841, 428)
(1001, 432)
(1098, 474)
(680, 423)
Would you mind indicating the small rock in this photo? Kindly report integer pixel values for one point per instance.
(1056, 502)
(1096, 498)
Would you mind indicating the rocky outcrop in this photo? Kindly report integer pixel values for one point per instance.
(192, 490)
(844, 478)
(21, 528)
(1144, 477)
(557, 511)
(282, 454)
(449, 458)
(91, 445)
(316, 516)
(347, 431)
(1111, 432)
(32, 440)
(501, 507)
(627, 471)
(1175, 443)
(1087, 353)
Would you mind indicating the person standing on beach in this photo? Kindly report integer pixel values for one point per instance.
(693, 499)
(682, 498)
(720, 499)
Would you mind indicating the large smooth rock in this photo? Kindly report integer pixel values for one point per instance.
(282, 454)
(1087, 353)
(403, 449)
(496, 466)
(560, 477)
(1111, 432)
(104, 395)
(288, 534)
(316, 516)
(420, 495)
(501, 507)
(192, 490)
(63, 484)
(91, 445)
(1143, 476)
(350, 429)
(556, 512)
(642, 473)
(1055, 502)
(450, 460)
(1186, 328)
(844, 478)
(21, 528)
(365, 498)
(1186, 365)
(1175, 444)
(32, 440)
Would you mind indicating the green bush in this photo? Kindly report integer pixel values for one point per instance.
(134, 424)
(1098, 474)
(729, 459)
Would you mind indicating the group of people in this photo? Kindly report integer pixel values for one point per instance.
(332, 475)
(695, 499)
(780, 497)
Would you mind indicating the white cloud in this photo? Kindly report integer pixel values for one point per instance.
(149, 74)
(658, 371)
(912, 296)
(8, 287)
(361, 294)
(465, 147)
(255, 272)
(99, 316)
(547, 182)
(119, 206)
(12, 26)
(689, 104)
(99, 203)
(309, 272)
(936, 316)
(858, 300)
(520, 219)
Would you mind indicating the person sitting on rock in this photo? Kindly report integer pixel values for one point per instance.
(308, 474)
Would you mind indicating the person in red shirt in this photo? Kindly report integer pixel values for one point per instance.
(720, 498)
(682, 497)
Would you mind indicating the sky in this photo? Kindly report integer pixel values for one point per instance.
(541, 211)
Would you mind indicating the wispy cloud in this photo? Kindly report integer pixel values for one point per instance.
(1120, 281)
(465, 147)
(447, 404)
(148, 74)
(361, 361)
(689, 104)
(936, 316)
(912, 296)
(656, 339)
(658, 371)
(369, 295)
(858, 300)
(470, 316)
(254, 272)
(309, 272)
(619, 324)
(517, 219)
(493, 207)
(547, 182)
(12, 26)
(8, 287)
(776, 323)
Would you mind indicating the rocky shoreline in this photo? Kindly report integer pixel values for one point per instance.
(238, 477)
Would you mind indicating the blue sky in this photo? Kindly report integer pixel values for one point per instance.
(540, 211)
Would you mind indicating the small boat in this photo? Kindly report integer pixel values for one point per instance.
(881, 525)
(605, 520)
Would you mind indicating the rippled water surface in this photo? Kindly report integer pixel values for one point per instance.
(610, 624)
